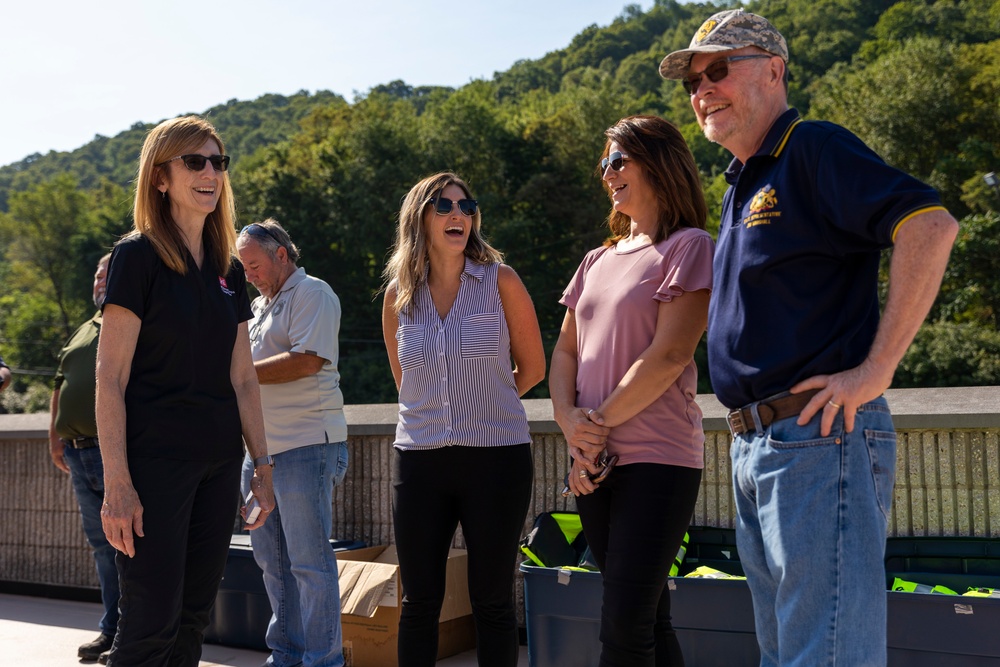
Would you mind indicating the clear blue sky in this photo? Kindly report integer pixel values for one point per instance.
(74, 69)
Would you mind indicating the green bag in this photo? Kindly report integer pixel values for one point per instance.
(555, 540)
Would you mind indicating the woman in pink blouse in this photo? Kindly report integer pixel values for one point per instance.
(623, 382)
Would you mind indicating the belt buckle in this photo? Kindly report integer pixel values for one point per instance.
(735, 420)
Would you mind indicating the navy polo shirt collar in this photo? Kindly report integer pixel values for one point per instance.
(774, 142)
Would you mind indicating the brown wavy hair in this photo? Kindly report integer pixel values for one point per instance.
(668, 166)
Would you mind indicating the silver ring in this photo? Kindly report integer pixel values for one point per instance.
(590, 412)
(583, 473)
(835, 405)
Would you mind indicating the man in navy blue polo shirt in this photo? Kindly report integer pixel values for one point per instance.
(796, 346)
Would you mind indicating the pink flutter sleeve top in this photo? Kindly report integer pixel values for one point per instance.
(615, 296)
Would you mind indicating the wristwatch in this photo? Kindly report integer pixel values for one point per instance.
(263, 461)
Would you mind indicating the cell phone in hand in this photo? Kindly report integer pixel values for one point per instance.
(252, 509)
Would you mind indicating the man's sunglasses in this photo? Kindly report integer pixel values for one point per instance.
(716, 71)
(616, 160)
(444, 206)
(196, 162)
(257, 229)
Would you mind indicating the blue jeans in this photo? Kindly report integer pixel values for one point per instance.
(86, 471)
(293, 549)
(812, 514)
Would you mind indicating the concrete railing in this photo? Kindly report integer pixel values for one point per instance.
(948, 479)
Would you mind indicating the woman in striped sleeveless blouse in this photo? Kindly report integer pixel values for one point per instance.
(464, 344)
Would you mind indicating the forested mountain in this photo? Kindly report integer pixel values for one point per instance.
(918, 80)
(246, 127)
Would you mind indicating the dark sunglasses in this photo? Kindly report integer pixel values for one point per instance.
(257, 229)
(616, 160)
(716, 71)
(444, 206)
(196, 162)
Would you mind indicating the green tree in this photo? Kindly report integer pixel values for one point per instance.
(45, 225)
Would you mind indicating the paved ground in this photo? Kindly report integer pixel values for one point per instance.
(42, 632)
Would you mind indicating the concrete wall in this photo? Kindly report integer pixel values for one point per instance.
(948, 479)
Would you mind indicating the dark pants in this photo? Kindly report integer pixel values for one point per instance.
(487, 490)
(86, 471)
(634, 524)
(169, 586)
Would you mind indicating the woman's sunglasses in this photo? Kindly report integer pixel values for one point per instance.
(716, 71)
(444, 206)
(196, 162)
(616, 160)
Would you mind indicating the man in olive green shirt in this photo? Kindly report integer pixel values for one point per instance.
(74, 450)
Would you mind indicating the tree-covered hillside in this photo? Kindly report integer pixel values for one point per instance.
(918, 80)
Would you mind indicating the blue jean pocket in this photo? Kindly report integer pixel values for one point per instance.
(882, 451)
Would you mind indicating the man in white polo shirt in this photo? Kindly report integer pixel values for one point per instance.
(293, 337)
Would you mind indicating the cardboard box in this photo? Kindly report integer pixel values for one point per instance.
(370, 599)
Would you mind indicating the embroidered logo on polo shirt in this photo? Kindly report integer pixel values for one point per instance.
(760, 207)
(225, 287)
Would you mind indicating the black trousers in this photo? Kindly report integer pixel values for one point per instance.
(487, 491)
(634, 524)
(169, 586)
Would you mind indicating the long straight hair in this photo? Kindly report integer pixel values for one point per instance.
(407, 266)
(152, 210)
(668, 166)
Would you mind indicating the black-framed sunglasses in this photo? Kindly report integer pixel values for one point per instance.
(616, 160)
(716, 71)
(257, 229)
(444, 206)
(196, 162)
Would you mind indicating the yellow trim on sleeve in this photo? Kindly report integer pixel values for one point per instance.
(895, 230)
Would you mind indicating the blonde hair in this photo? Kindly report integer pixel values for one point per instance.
(152, 209)
(407, 266)
(668, 166)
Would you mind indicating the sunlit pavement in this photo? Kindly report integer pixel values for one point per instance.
(43, 632)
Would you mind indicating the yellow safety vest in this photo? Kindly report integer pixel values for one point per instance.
(911, 587)
(983, 592)
(706, 572)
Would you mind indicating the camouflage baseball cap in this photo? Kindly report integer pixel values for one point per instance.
(726, 31)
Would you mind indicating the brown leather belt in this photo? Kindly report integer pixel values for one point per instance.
(769, 411)
(81, 443)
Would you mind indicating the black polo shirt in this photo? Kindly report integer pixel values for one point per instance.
(796, 265)
(180, 402)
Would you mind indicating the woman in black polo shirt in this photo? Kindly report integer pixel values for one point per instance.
(176, 393)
